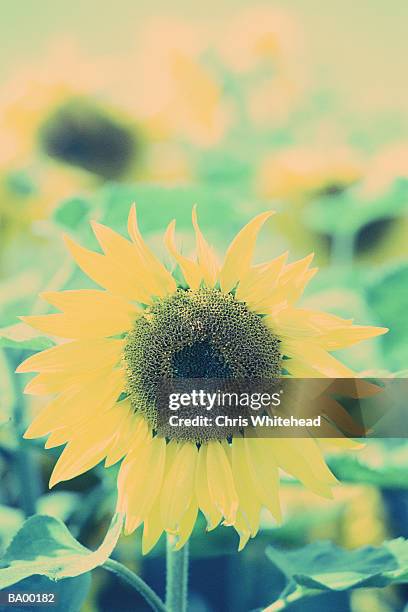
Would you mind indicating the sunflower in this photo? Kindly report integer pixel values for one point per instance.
(182, 96)
(259, 37)
(235, 319)
(300, 173)
(383, 238)
(296, 176)
(262, 47)
(60, 109)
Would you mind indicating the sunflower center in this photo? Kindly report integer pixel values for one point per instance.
(82, 134)
(202, 334)
(200, 360)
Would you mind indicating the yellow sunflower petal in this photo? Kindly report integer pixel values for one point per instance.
(87, 313)
(264, 473)
(249, 503)
(206, 256)
(212, 514)
(89, 301)
(260, 281)
(290, 286)
(242, 529)
(178, 488)
(58, 437)
(294, 272)
(288, 453)
(313, 457)
(190, 269)
(152, 527)
(221, 482)
(165, 281)
(122, 442)
(240, 252)
(141, 440)
(77, 404)
(118, 280)
(187, 524)
(50, 383)
(76, 356)
(145, 479)
(296, 289)
(122, 252)
(310, 353)
(328, 331)
(300, 369)
(343, 337)
(153, 520)
(46, 384)
(87, 448)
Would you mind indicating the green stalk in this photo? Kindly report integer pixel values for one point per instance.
(176, 577)
(342, 251)
(25, 461)
(136, 583)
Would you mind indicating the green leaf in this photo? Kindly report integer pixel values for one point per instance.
(45, 547)
(18, 292)
(157, 206)
(70, 593)
(350, 210)
(11, 521)
(226, 167)
(388, 296)
(21, 336)
(326, 567)
(381, 464)
(72, 212)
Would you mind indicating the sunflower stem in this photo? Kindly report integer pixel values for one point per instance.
(136, 583)
(176, 577)
(342, 253)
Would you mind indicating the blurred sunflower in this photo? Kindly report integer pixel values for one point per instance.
(296, 176)
(259, 35)
(235, 320)
(174, 92)
(60, 108)
(299, 173)
(262, 46)
(384, 236)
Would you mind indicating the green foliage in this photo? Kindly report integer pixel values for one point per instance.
(349, 211)
(71, 213)
(158, 205)
(387, 474)
(325, 566)
(70, 593)
(11, 520)
(225, 167)
(21, 336)
(388, 298)
(44, 546)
